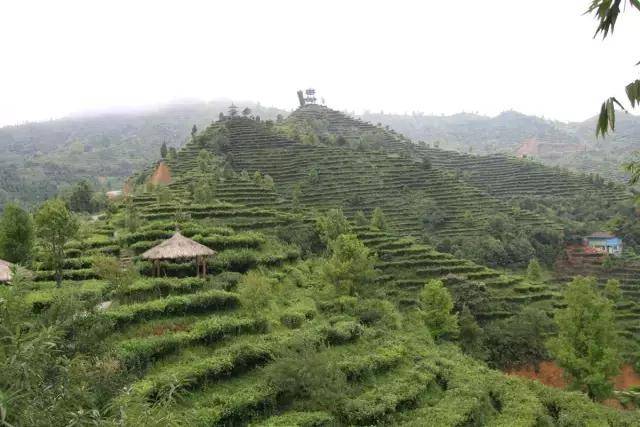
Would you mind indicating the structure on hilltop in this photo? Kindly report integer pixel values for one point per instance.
(310, 97)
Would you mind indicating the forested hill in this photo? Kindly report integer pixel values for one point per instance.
(39, 159)
(571, 145)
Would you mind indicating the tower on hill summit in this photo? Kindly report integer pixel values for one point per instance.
(233, 110)
(310, 96)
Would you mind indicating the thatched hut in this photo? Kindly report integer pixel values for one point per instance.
(5, 271)
(179, 247)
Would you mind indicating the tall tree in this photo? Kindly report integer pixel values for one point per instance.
(331, 225)
(163, 150)
(437, 306)
(351, 265)
(470, 336)
(301, 98)
(16, 234)
(587, 342)
(534, 271)
(55, 226)
(80, 199)
(194, 130)
(378, 219)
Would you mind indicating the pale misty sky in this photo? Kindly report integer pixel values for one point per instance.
(537, 57)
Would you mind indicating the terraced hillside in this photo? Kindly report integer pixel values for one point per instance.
(501, 176)
(319, 176)
(268, 339)
(203, 353)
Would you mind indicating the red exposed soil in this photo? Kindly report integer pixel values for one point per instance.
(528, 148)
(627, 378)
(548, 373)
(162, 175)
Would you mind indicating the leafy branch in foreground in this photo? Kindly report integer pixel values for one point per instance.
(606, 13)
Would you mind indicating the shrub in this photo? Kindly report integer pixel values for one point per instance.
(518, 340)
(310, 374)
(239, 260)
(292, 319)
(108, 268)
(378, 219)
(256, 293)
(344, 331)
(471, 335)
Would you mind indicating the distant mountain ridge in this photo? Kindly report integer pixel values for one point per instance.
(571, 145)
(40, 159)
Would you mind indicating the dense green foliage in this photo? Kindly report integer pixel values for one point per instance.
(308, 316)
(55, 226)
(437, 305)
(16, 234)
(587, 343)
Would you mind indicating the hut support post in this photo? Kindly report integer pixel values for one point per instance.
(156, 265)
(204, 267)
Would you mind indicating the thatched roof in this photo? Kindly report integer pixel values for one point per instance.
(5, 271)
(178, 247)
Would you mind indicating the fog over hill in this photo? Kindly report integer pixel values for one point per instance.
(39, 159)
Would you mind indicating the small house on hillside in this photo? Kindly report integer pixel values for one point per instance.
(604, 242)
(5, 271)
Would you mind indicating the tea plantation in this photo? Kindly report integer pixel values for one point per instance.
(283, 331)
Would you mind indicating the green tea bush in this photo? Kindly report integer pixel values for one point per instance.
(159, 287)
(138, 352)
(357, 367)
(240, 260)
(344, 331)
(256, 294)
(299, 419)
(225, 362)
(292, 319)
(196, 303)
(309, 374)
